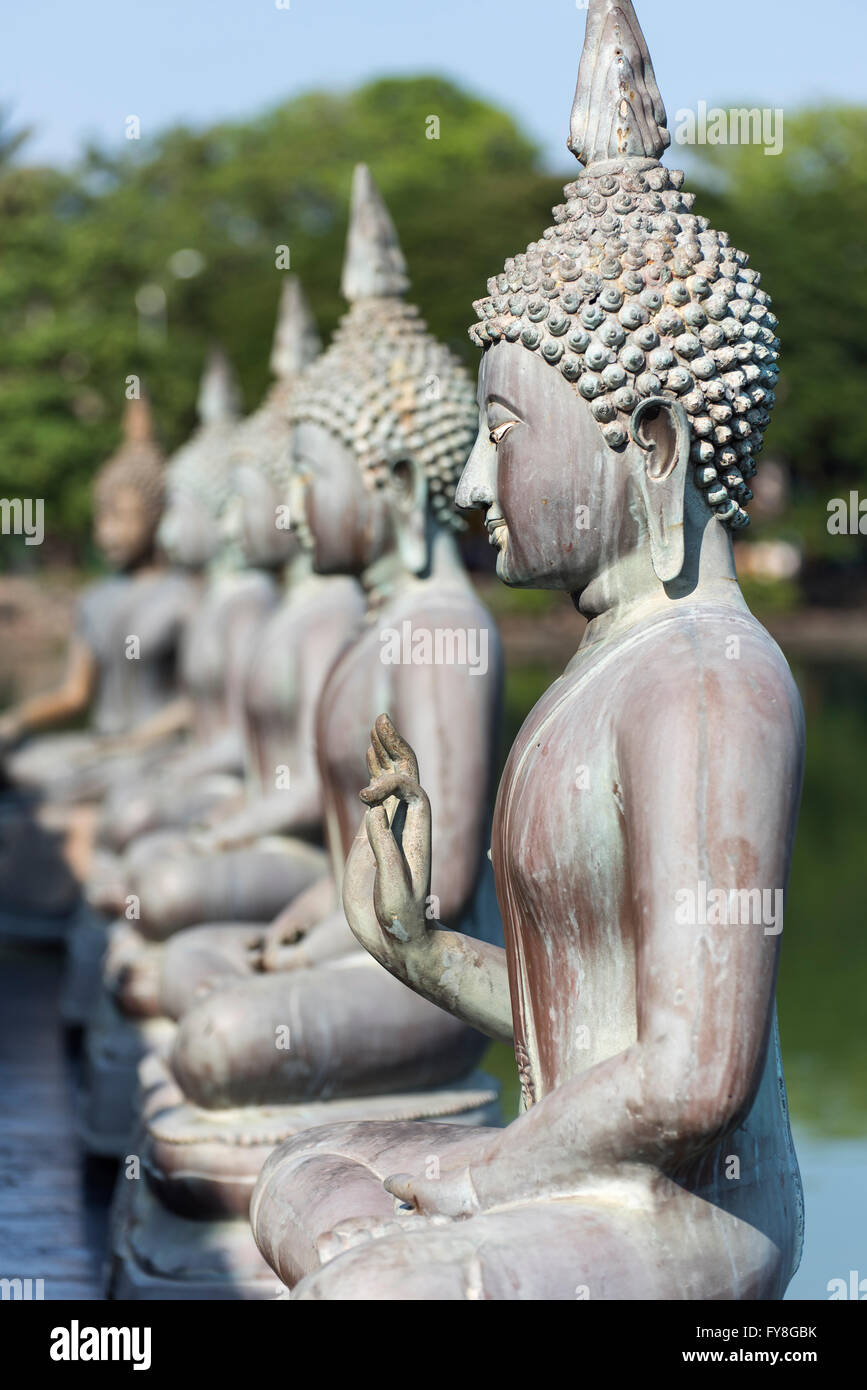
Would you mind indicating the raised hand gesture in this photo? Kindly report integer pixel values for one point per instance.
(398, 831)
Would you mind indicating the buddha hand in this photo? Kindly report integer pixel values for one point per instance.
(282, 946)
(453, 1194)
(398, 827)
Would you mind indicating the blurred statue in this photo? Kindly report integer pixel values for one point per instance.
(237, 591)
(292, 1025)
(122, 664)
(170, 788)
(122, 667)
(644, 822)
(246, 855)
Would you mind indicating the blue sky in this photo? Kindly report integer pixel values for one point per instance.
(78, 69)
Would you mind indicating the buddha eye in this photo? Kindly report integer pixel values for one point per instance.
(499, 432)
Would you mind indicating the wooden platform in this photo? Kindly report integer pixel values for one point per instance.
(53, 1203)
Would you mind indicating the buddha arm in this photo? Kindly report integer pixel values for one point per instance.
(388, 877)
(293, 811)
(467, 978)
(71, 698)
(173, 718)
(704, 810)
(296, 808)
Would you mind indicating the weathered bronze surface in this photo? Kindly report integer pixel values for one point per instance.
(660, 773)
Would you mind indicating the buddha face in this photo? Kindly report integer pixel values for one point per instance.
(559, 505)
(346, 524)
(262, 519)
(124, 527)
(189, 533)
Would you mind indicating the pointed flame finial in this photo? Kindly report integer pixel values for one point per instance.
(138, 423)
(617, 113)
(296, 337)
(219, 398)
(374, 267)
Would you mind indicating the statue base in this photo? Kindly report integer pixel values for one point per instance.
(158, 1256)
(86, 944)
(183, 1231)
(114, 1048)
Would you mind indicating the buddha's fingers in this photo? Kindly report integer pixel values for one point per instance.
(378, 749)
(398, 784)
(397, 748)
(450, 1195)
(415, 832)
(397, 911)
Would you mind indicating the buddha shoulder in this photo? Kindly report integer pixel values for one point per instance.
(706, 667)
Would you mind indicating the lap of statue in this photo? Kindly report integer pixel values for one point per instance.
(199, 960)
(177, 887)
(328, 1226)
(341, 1029)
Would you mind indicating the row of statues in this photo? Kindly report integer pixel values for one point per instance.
(304, 984)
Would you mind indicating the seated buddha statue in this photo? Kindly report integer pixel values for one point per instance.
(122, 665)
(247, 857)
(246, 854)
(629, 361)
(288, 1025)
(201, 530)
(178, 786)
(121, 672)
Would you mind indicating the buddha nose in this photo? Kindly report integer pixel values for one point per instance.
(475, 487)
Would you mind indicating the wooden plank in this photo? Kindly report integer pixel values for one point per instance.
(53, 1220)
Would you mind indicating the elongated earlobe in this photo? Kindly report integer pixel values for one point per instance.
(408, 496)
(660, 429)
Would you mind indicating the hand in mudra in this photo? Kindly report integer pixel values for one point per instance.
(280, 948)
(398, 831)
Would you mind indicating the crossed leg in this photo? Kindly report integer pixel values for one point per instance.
(327, 1226)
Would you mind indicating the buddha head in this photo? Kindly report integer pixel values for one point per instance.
(128, 493)
(383, 421)
(198, 476)
(261, 458)
(629, 354)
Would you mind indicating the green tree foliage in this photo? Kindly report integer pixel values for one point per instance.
(77, 248)
(76, 251)
(801, 216)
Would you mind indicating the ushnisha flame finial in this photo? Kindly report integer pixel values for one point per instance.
(201, 468)
(374, 267)
(137, 464)
(138, 423)
(219, 398)
(262, 440)
(630, 294)
(296, 338)
(617, 114)
(384, 386)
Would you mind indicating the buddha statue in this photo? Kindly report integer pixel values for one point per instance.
(627, 378)
(143, 599)
(293, 1024)
(177, 786)
(122, 665)
(246, 855)
(201, 530)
